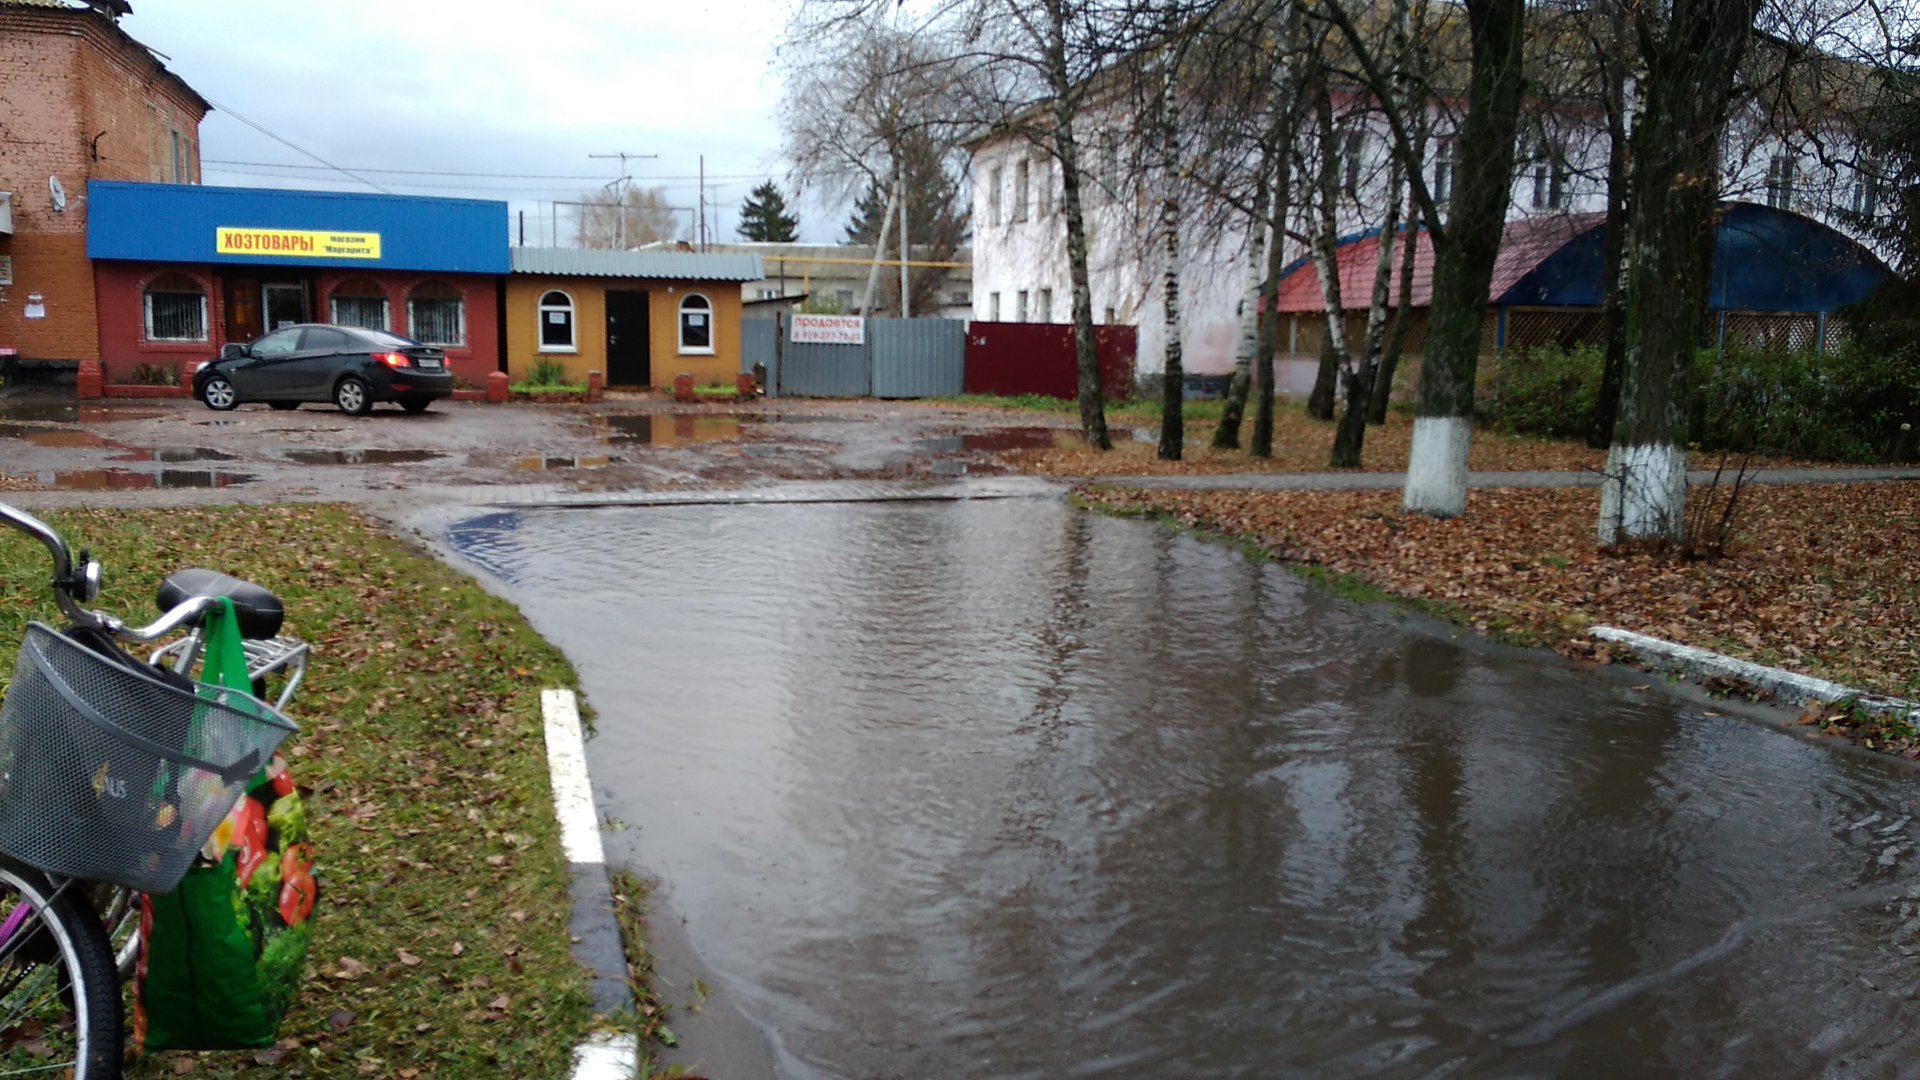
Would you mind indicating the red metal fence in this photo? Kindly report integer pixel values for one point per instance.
(1010, 359)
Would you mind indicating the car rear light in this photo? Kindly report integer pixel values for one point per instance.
(393, 359)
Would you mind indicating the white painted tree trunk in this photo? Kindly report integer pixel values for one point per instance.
(1437, 466)
(1644, 495)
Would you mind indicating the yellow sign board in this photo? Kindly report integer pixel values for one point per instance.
(297, 243)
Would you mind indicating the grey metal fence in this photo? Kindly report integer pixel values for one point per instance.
(900, 358)
(918, 357)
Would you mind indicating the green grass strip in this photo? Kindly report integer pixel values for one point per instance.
(441, 945)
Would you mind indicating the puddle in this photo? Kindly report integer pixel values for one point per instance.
(127, 480)
(361, 457)
(216, 423)
(669, 429)
(53, 438)
(541, 464)
(987, 442)
(175, 454)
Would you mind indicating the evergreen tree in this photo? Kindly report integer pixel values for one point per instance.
(936, 224)
(763, 216)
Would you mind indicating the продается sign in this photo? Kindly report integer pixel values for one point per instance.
(830, 329)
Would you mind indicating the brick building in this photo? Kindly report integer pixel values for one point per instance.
(80, 101)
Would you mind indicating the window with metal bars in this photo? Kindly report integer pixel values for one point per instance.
(437, 315)
(176, 309)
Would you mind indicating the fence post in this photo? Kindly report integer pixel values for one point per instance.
(1819, 336)
(779, 350)
(1720, 346)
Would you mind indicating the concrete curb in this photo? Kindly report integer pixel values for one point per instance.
(596, 933)
(1790, 687)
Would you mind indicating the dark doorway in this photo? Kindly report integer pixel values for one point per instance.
(285, 303)
(243, 309)
(629, 357)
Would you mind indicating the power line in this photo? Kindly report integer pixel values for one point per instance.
(297, 149)
(208, 166)
(482, 175)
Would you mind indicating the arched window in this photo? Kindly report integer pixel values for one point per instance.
(556, 322)
(696, 324)
(437, 314)
(176, 309)
(360, 302)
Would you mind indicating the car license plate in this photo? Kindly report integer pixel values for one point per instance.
(428, 362)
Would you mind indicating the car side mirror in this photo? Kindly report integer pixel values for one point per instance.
(232, 351)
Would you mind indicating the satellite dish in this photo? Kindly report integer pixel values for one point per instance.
(59, 193)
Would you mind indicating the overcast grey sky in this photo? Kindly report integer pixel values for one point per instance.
(487, 87)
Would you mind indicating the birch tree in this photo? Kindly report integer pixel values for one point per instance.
(1465, 245)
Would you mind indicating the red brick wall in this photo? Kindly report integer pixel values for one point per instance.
(66, 77)
(122, 329)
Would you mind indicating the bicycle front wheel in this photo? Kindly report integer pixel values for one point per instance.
(59, 997)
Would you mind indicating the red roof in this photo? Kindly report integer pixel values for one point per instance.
(1524, 244)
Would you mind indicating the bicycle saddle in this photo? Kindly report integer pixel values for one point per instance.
(259, 612)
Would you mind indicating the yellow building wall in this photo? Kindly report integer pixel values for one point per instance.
(590, 327)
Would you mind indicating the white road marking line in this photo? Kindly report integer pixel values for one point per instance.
(567, 762)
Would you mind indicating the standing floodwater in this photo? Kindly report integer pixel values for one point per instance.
(1005, 789)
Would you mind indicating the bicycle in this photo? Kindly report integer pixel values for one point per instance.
(113, 774)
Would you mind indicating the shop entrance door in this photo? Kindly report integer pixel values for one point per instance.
(629, 357)
(243, 310)
(285, 303)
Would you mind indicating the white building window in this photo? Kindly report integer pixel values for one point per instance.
(1045, 191)
(1353, 152)
(1046, 305)
(1549, 177)
(1783, 173)
(176, 309)
(359, 302)
(437, 314)
(1444, 168)
(556, 322)
(1866, 189)
(993, 307)
(1022, 176)
(993, 196)
(696, 325)
(1020, 306)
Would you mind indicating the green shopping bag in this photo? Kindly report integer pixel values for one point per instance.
(222, 954)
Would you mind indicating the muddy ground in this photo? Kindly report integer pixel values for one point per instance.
(179, 450)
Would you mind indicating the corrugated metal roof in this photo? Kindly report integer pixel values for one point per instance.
(1523, 244)
(182, 223)
(662, 265)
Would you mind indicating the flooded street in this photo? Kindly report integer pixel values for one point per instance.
(1000, 788)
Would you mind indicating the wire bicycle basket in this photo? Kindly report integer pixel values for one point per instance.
(110, 773)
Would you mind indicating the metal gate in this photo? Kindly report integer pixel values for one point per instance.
(898, 358)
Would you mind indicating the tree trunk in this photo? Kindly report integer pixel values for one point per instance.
(1463, 261)
(1397, 331)
(1675, 188)
(1281, 130)
(1173, 375)
(1613, 307)
(1414, 66)
(1360, 378)
(1093, 413)
(1335, 354)
(1226, 436)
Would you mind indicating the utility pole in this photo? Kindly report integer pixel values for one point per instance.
(703, 202)
(619, 187)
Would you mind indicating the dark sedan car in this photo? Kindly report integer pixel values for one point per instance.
(347, 365)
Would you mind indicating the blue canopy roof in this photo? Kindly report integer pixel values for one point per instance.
(191, 223)
(1764, 260)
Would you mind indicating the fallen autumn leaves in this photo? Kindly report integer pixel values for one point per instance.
(1819, 581)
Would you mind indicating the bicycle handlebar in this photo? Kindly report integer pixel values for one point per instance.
(72, 590)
